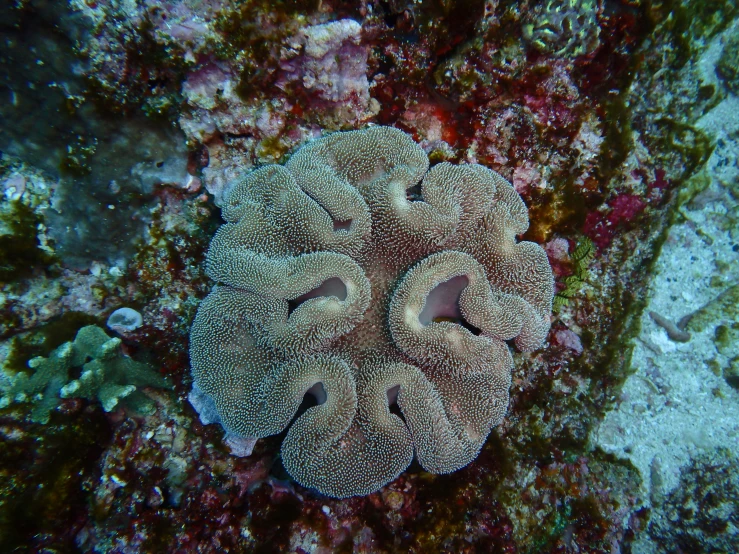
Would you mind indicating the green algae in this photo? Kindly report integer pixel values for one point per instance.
(20, 251)
(726, 336)
(274, 149)
(731, 373)
(728, 64)
(724, 307)
(726, 339)
(704, 503)
(724, 311)
(691, 23)
(581, 257)
(686, 28)
(692, 145)
(683, 28)
(44, 481)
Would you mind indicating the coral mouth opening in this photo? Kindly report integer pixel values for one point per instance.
(330, 287)
(314, 396)
(342, 226)
(414, 194)
(442, 304)
(392, 395)
(318, 393)
(392, 402)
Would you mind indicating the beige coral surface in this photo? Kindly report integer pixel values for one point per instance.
(390, 303)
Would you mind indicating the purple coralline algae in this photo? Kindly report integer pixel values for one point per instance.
(330, 62)
(130, 128)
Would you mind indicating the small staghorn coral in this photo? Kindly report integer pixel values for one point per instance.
(103, 374)
(388, 301)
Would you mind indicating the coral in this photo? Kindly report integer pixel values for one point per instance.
(724, 306)
(722, 310)
(571, 129)
(340, 277)
(105, 376)
(566, 29)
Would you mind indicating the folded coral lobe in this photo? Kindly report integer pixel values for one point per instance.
(338, 279)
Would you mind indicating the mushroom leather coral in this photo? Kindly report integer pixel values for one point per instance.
(339, 276)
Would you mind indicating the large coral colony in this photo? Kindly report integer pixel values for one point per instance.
(388, 301)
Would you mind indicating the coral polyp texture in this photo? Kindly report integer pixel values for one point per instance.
(389, 301)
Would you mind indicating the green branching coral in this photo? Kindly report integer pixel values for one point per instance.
(105, 375)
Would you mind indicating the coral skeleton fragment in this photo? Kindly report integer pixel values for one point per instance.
(389, 302)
